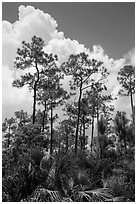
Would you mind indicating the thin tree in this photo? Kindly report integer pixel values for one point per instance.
(126, 78)
(66, 133)
(102, 129)
(120, 124)
(97, 99)
(51, 94)
(71, 110)
(31, 55)
(81, 68)
(84, 120)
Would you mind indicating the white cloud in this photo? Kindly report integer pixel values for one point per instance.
(112, 78)
(35, 22)
(113, 67)
(64, 47)
(98, 53)
(31, 22)
(115, 91)
(130, 57)
(10, 94)
(9, 44)
(122, 103)
(12, 98)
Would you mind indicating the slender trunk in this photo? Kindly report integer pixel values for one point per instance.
(51, 125)
(77, 127)
(81, 144)
(44, 114)
(84, 130)
(131, 101)
(34, 103)
(132, 107)
(92, 133)
(98, 130)
(97, 122)
(35, 94)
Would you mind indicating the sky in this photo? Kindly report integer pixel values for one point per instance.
(107, 29)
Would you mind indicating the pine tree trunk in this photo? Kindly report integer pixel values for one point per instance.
(131, 102)
(98, 130)
(132, 107)
(51, 134)
(44, 114)
(35, 94)
(84, 133)
(77, 127)
(92, 133)
(81, 144)
(34, 104)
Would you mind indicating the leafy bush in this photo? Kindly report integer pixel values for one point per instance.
(122, 182)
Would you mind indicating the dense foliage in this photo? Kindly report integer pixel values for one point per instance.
(51, 158)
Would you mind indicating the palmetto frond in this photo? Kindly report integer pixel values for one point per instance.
(81, 196)
(101, 195)
(46, 195)
(98, 195)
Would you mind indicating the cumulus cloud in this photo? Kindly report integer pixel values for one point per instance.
(130, 57)
(9, 44)
(13, 99)
(35, 22)
(32, 22)
(98, 53)
(112, 78)
(122, 103)
(15, 95)
(112, 66)
(64, 48)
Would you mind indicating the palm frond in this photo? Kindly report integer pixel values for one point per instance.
(100, 195)
(117, 199)
(82, 196)
(44, 195)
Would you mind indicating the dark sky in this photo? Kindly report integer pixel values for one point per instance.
(112, 25)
